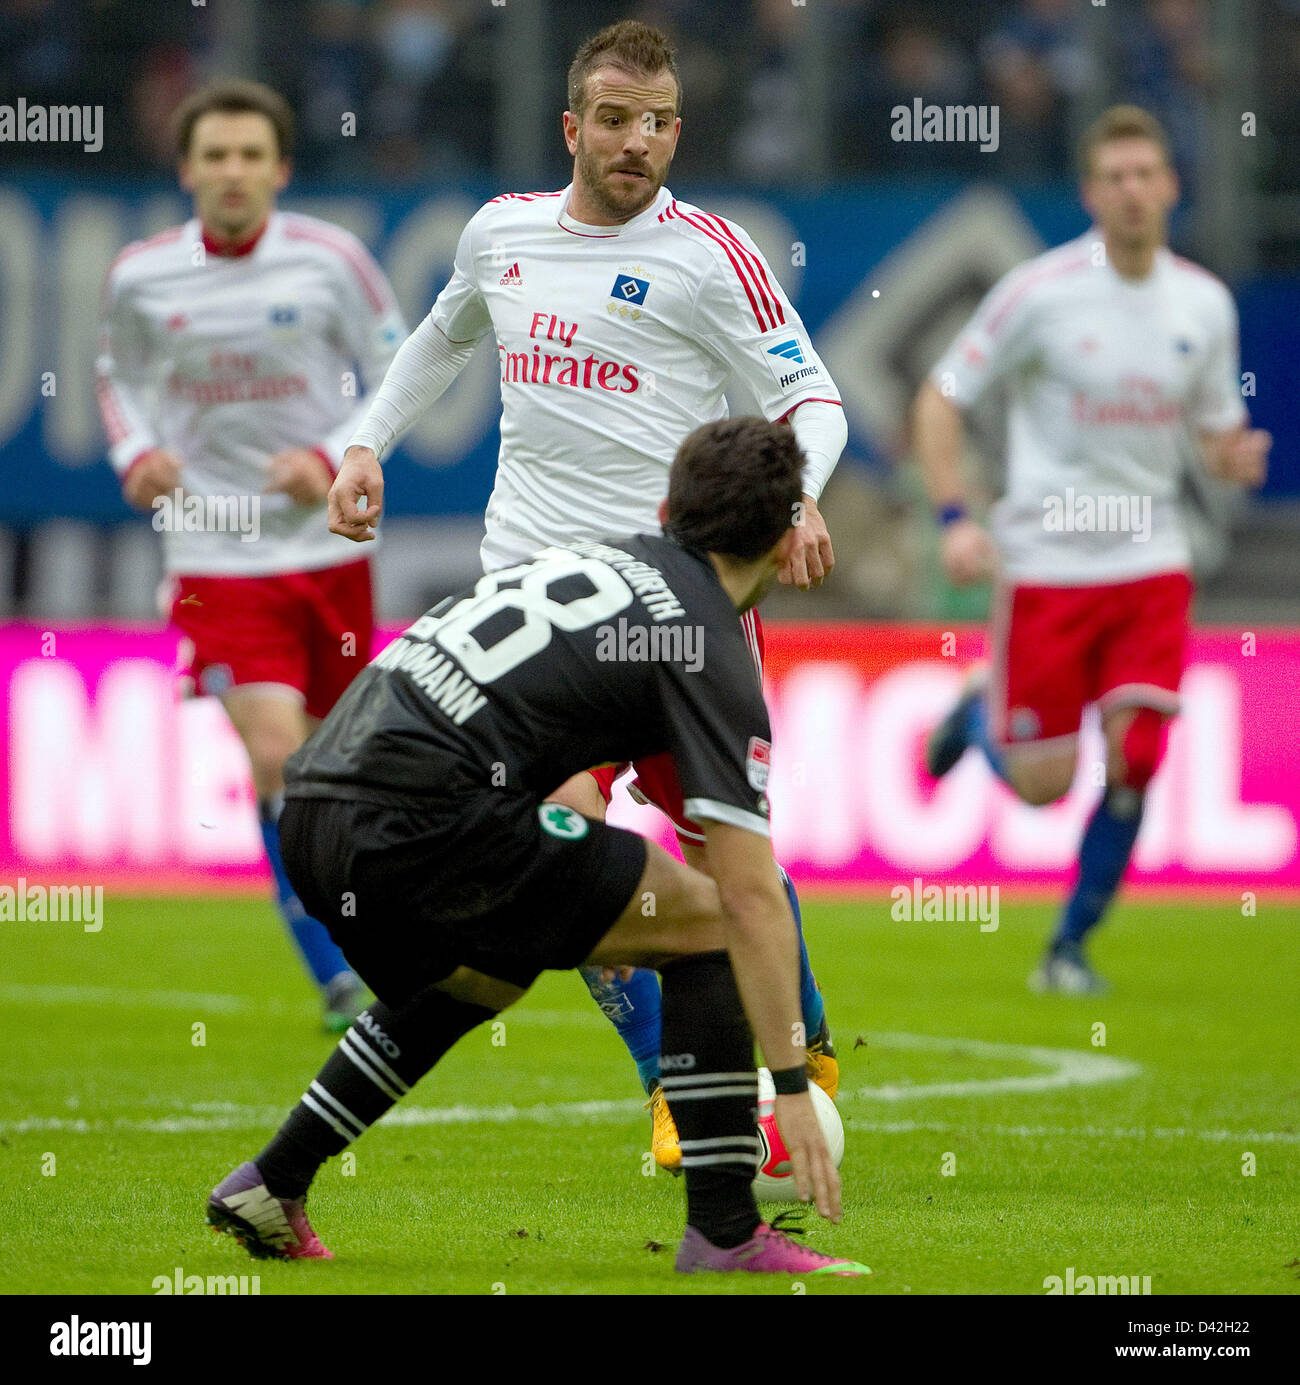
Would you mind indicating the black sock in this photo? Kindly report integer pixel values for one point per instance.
(707, 1066)
(380, 1058)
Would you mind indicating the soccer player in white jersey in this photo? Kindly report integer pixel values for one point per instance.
(227, 380)
(620, 314)
(1114, 349)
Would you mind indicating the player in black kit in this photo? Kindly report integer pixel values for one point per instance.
(415, 829)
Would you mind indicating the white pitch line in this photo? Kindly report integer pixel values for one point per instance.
(1082, 1132)
(251, 1117)
(21, 994)
(541, 1112)
(224, 1116)
(1069, 1068)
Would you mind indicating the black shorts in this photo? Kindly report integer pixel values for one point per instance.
(411, 893)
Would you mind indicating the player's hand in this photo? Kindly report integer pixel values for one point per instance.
(815, 1175)
(1242, 457)
(300, 474)
(811, 562)
(156, 473)
(967, 552)
(360, 477)
(623, 974)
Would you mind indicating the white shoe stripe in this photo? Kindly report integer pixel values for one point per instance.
(361, 1058)
(312, 1104)
(264, 1214)
(326, 1095)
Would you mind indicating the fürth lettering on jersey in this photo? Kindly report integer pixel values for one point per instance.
(517, 673)
(646, 581)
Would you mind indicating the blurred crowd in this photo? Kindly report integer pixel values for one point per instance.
(422, 78)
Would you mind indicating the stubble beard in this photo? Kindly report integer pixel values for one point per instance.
(597, 190)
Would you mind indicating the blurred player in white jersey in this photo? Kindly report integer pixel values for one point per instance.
(1114, 349)
(227, 380)
(620, 315)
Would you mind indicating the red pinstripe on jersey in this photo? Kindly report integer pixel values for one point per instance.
(115, 424)
(1192, 267)
(768, 312)
(360, 264)
(522, 196)
(138, 248)
(162, 238)
(1015, 292)
(770, 295)
(839, 404)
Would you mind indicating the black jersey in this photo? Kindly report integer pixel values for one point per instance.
(586, 654)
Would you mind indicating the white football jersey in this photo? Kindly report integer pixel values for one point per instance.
(614, 343)
(1106, 377)
(228, 359)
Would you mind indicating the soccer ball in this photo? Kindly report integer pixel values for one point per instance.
(774, 1182)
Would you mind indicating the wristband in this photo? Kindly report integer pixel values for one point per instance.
(950, 514)
(135, 462)
(790, 1081)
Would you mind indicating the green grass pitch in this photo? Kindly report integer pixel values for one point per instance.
(517, 1167)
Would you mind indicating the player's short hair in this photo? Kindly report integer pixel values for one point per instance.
(1121, 122)
(631, 47)
(735, 487)
(234, 96)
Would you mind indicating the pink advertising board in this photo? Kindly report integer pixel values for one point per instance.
(109, 779)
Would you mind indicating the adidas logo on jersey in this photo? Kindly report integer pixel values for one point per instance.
(512, 277)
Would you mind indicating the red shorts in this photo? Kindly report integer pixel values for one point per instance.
(306, 630)
(656, 775)
(1055, 649)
